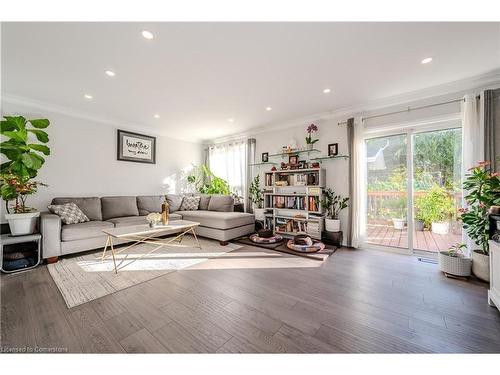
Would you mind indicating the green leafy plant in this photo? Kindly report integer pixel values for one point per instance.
(483, 191)
(24, 159)
(435, 206)
(457, 250)
(256, 194)
(206, 182)
(333, 203)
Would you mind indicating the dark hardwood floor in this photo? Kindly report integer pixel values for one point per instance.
(355, 302)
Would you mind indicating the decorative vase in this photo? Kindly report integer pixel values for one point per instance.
(419, 225)
(22, 224)
(309, 146)
(332, 225)
(458, 266)
(164, 213)
(481, 265)
(441, 227)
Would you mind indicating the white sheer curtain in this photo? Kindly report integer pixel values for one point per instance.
(472, 143)
(358, 176)
(228, 161)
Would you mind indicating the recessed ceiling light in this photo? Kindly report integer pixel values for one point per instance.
(147, 34)
(156, 116)
(269, 108)
(230, 119)
(110, 73)
(88, 96)
(326, 91)
(426, 60)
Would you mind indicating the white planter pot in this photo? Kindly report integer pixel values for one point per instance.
(259, 213)
(441, 228)
(22, 224)
(399, 223)
(454, 265)
(481, 265)
(332, 225)
(309, 146)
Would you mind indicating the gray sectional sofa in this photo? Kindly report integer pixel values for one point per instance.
(215, 215)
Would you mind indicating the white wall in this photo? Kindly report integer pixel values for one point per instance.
(83, 161)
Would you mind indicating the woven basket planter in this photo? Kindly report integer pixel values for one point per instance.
(454, 265)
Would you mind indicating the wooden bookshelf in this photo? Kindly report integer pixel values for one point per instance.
(295, 201)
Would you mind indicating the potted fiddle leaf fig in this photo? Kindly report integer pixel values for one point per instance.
(333, 204)
(483, 191)
(24, 149)
(257, 198)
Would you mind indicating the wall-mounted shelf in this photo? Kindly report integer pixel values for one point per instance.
(322, 158)
(263, 163)
(297, 152)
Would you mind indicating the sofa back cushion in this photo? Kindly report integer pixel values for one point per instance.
(174, 202)
(90, 206)
(221, 203)
(204, 201)
(119, 206)
(149, 203)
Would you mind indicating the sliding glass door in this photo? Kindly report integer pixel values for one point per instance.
(413, 190)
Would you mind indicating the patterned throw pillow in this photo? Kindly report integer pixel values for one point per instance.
(190, 203)
(69, 213)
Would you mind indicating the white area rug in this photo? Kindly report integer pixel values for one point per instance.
(84, 278)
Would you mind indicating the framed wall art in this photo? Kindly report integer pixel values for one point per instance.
(136, 147)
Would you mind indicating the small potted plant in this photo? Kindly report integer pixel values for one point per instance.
(436, 209)
(483, 192)
(309, 140)
(419, 220)
(397, 209)
(257, 198)
(454, 262)
(24, 159)
(333, 204)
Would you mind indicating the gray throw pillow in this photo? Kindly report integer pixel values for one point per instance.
(69, 213)
(221, 203)
(190, 203)
(174, 202)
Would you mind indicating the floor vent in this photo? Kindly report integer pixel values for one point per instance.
(428, 260)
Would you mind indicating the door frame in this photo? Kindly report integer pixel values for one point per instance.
(407, 129)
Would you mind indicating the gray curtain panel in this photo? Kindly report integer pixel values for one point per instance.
(491, 127)
(251, 143)
(350, 145)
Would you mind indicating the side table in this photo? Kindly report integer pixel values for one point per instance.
(8, 241)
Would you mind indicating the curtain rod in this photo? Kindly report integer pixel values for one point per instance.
(409, 109)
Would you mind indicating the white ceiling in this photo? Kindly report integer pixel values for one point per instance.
(197, 75)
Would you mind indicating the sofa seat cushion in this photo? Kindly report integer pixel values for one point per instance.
(90, 206)
(219, 220)
(119, 206)
(128, 221)
(81, 231)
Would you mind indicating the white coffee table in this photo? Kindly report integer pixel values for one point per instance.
(145, 234)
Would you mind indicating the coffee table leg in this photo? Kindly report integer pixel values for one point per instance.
(105, 248)
(113, 253)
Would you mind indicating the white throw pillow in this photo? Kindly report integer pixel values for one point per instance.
(190, 203)
(69, 213)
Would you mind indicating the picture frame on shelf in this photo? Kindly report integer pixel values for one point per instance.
(293, 160)
(333, 149)
(302, 164)
(265, 157)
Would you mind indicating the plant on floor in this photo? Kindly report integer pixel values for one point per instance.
(457, 250)
(256, 193)
(333, 203)
(483, 191)
(25, 158)
(435, 206)
(206, 182)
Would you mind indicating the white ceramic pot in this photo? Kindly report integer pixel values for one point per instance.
(457, 266)
(22, 224)
(332, 225)
(259, 213)
(441, 228)
(399, 224)
(309, 146)
(481, 265)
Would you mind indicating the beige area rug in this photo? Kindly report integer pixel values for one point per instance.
(83, 278)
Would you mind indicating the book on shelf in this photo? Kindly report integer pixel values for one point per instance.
(315, 190)
(268, 179)
(313, 204)
(293, 203)
(290, 225)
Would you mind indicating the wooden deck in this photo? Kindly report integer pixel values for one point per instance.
(386, 235)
